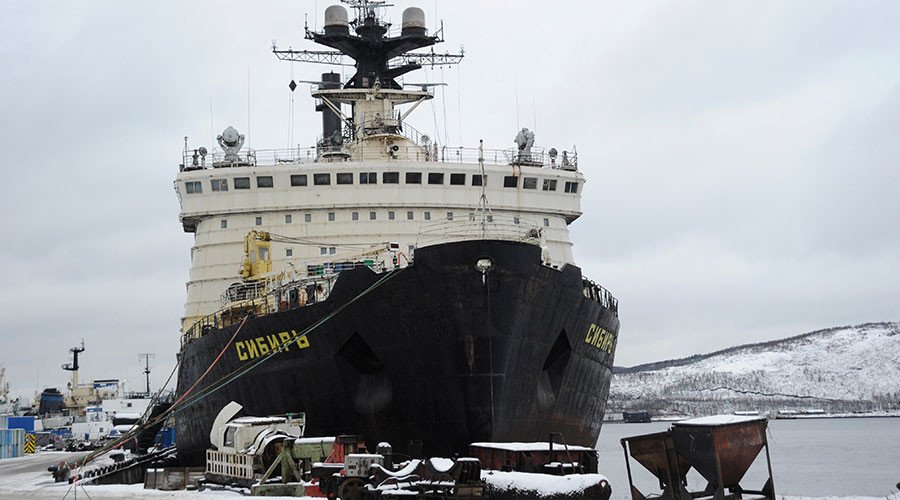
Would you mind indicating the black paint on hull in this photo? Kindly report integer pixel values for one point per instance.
(435, 354)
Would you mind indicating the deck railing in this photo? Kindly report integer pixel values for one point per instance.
(601, 295)
(478, 226)
(259, 299)
(375, 151)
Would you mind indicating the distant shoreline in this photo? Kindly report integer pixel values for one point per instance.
(676, 418)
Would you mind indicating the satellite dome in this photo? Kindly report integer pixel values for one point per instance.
(230, 135)
(413, 22)
(336, 21)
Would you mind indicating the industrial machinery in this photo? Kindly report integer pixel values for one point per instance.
(720, 448)
(271, 457)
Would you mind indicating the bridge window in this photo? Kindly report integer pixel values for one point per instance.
(219, 184)
(479, 180)
(529, 183)
(457, 179)
(435, 178)
(390, 177)
(510, 181)
(571, 187)
(298, 180)
(368, 178)
(193, 187)
(265, 181)
(549, 185)
(242, 183)
(414, 177)
(344, 178)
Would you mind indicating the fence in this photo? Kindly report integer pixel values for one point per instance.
(229, 464)
(375, 150)
(12, 443)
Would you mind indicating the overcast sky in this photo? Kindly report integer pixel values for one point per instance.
(743, 158)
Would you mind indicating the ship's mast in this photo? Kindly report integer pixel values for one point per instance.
(378, 57)
(147, 357)
(373, 92)
(4, 387)
(73, 366)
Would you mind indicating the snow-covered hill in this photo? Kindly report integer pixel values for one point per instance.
(844, 369)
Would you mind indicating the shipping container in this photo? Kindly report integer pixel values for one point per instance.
(12, 443)
(26, 423)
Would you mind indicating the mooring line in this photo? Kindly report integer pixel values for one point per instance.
(183, 403)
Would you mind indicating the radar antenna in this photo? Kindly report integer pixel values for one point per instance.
(378, 57)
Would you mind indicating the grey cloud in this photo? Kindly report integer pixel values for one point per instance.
(741, 157)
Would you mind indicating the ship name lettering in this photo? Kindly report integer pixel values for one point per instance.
(262, 346)
(601, 338)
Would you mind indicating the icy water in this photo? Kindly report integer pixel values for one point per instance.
(814, 457)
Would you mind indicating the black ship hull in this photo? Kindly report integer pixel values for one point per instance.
(438, 353)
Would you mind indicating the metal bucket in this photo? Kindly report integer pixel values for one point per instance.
(721, 453)
(656, 452)
(722, 448)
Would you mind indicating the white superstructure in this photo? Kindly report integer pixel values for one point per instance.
(370, 180)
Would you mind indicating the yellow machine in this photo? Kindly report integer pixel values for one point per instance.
(257, 255)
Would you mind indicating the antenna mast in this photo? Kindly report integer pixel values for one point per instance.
(365, 43)
(73, 366)
(147, 356)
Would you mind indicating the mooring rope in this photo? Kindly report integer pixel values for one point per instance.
(239, 372)
(183, 402)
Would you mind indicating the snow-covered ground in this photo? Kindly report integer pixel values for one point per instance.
(27, 478)
(854, 368)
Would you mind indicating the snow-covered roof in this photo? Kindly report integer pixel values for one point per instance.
(257, 420)
(441, 464)
(315, 440)
(720, 420)
(538, 446)
(545, 484)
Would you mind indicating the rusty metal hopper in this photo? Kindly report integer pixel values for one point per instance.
(722, 447)
(655, 453)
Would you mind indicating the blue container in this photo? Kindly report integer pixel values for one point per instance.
(165, 437)
(12, 443)
(26, 423)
